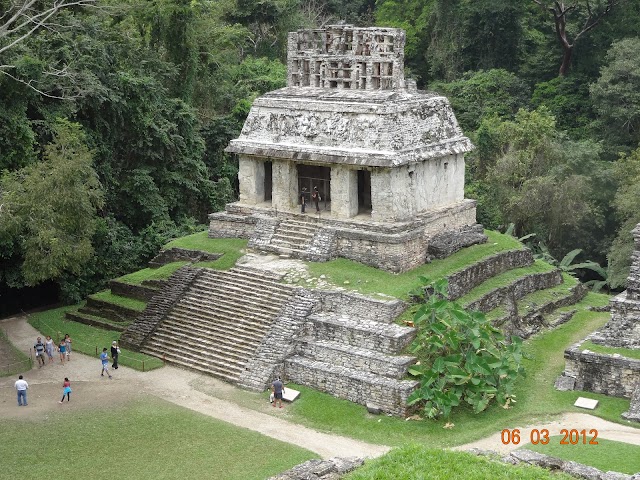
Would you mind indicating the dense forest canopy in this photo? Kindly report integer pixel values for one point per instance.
(114, 117)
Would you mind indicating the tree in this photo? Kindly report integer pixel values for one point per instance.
(49, 208)
(627, 173)
(546, 184)
(22, 19)
(616, 94)
(462, 357)
(590, 12)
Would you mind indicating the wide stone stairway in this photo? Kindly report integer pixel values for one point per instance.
(293, 237)
(220, 321)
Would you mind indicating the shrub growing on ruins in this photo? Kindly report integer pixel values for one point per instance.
(462, 357)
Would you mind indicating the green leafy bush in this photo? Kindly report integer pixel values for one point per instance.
(462, 356)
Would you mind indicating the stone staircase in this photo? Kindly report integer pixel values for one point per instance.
(219, 322)
(293, 237)
(355, 359)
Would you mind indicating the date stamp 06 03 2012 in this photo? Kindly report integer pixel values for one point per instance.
(568, 436)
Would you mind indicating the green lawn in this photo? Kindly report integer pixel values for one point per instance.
(16, 361)
(625, 352)
(231, 248)
(606, 455)
(127, 302)
(87, 339)
(160, 273)
(370, 280)
(415, 462)
(149, 439)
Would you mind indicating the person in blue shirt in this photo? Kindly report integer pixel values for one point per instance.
(104, 358)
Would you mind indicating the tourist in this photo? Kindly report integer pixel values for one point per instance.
(66, 390)
(39, 349)
(67, 343)
(315, 196)
(303, 199)
(62, 349)
(21, 388)
(104, 358)
(278, 389)
(50, 348)
(115, 351)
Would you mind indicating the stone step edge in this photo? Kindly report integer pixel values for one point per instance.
(365, 377)
(184, 328)
(201, 369)
(219, 360)
(396, 360)
(196, 345)
(230, 329)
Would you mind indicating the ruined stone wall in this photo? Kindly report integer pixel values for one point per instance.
(139, 292)
(175, 254)
(225, 225)
(522, 286)
(357, 305)
(465, 280)
(438, 182)
(388, 394)
(602, 373)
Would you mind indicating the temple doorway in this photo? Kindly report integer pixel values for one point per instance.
(364, 191)
(311, 176)
(268, 181)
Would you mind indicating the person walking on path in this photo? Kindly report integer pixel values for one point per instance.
(115, 351)
(67, 344)
(315, 197)
(104, 358)
(21, 387)
(50, 347)
(278, 389)
(66, 390)
(62, 348)
(39, 349)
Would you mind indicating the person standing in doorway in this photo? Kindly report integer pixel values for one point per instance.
(66, 386)
(104, 358)
(278, 389)
(315, 197)
(21, 387)
(39, 349)
(303, 199)
(115, 351)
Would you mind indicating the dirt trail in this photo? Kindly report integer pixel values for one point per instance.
(177, 386)
(169, 383)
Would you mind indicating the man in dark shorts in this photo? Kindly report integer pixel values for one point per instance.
(278, 389)
(39, 348)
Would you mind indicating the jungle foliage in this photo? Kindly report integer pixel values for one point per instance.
(462, 357)
(153, 92)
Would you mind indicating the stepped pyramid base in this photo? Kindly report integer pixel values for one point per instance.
(393, 246)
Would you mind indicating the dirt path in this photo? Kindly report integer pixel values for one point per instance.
(169, 383)
(179, 387)
(579, 421)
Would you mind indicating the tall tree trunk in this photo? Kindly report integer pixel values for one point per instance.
(567, 53)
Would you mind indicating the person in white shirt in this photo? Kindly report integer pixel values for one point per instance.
(21, 387)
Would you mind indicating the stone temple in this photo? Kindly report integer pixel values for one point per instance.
(387, 160)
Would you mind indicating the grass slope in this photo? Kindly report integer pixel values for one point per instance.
(370, 280)
(119, 300)
(415, 462)
(148, 439)
(625, 352)
(607, 455)
(86, 339)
